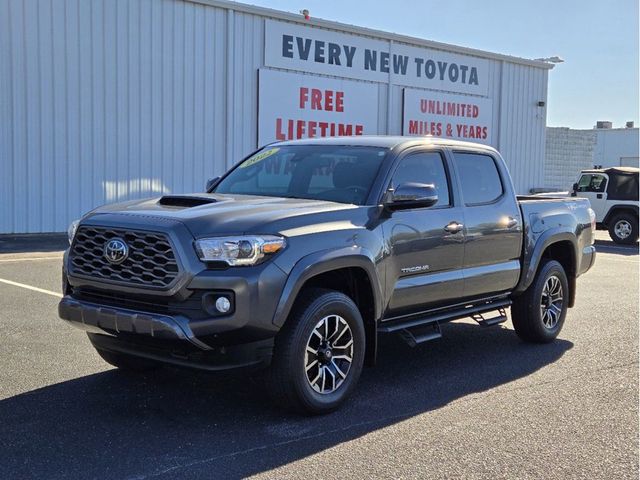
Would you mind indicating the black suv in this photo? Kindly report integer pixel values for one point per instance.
(300, 256)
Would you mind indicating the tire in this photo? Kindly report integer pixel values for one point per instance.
(533, 318)
(308, 382)
(624, 229)
(127, 362)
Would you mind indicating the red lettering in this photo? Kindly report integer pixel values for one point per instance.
(345, 130)
(328, 100)
(304, 96)
(340, 102)
(300, 125)
(316, 99)
(279, 134)
(302, 128)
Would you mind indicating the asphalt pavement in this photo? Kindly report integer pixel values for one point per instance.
(477, 403)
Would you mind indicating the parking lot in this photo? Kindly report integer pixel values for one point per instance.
(476, 404)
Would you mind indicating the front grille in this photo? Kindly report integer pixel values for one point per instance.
(150, 262)
(190, 307)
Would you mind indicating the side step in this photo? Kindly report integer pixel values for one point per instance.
(423, 334)
(415, 330)
(489, 322)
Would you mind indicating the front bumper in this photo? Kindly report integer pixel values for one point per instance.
(163, 338)
(102, 319)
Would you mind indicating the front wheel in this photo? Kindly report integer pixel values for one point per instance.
(624, 229)
(538, 314)
(318, 354)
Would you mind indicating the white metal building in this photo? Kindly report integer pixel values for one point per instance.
(107, 100)
(570, 150)
(617, 147)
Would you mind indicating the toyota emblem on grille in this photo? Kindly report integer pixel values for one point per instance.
(116, 251)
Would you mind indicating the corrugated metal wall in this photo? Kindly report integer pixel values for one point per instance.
(108, 100)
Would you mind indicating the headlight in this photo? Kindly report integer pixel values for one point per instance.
(71, 231)
(238, 251)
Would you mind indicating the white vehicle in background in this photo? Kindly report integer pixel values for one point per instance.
(613, 193)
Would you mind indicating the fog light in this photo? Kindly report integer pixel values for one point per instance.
(223, 304)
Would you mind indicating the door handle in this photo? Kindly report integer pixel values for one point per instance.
(453, 227)
(599, 195)
(512, 222)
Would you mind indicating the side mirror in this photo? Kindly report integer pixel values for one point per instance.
(412, 195)
(574, 190)
(211, 183)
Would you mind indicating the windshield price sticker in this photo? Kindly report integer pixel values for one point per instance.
(258, 157)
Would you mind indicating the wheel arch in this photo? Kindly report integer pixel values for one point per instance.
(350, 271)
(552, 245)
(617, 209)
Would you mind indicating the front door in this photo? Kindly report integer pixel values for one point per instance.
(594, 187)
(426, 247)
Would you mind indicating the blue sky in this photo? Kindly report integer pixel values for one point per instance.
(597, 39)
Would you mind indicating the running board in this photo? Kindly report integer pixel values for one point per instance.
(413, 322)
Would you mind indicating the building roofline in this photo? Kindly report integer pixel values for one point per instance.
(370, 32)
(595, 130)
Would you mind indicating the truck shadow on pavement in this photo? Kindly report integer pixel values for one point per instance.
(177, 424)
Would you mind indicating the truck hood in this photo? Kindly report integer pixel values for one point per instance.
(224, 214)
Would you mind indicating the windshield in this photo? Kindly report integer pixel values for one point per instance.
(319, 172)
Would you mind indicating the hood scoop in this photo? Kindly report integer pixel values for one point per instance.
(185, 201)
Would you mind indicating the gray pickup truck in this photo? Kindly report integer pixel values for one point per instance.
(304, 253)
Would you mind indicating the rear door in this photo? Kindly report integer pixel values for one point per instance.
(426, 249)
(493, 224)
(594, 187)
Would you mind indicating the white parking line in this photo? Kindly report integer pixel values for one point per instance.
(29, 287)
(29, 259)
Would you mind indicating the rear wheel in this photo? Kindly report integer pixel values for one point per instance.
(624, 229)
(318, 354)
(127, 362)
(538, 314)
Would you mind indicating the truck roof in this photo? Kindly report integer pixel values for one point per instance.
(385, 141)
(614, 170)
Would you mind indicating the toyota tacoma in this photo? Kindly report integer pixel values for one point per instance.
(304, 253)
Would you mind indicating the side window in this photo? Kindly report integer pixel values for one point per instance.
(592, 183)
(424, 168)
(479, 177)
